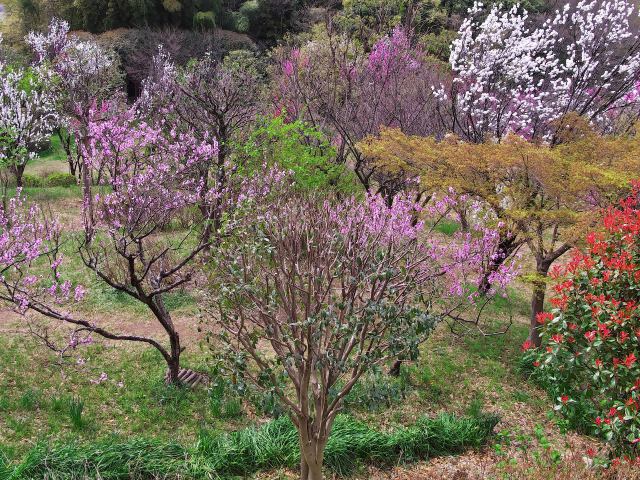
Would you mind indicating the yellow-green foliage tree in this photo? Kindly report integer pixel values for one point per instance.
(543, 197)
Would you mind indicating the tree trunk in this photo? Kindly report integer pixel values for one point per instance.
(315, 471)
(18, 171)
(87, 197)
(173, 365)
(506, 247)
(312, 460)
(304, 468)
(394, 371)
(156, 305)
(464, 221)
(65, 140)
(537, 300)
(212, 226)
(311, 453)
(174, 339)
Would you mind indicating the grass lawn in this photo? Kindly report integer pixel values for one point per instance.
(52, 160)
(120, 394)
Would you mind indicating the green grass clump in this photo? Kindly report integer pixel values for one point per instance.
(108, 459)
(244, 452)
(75, 408)
(447, 227)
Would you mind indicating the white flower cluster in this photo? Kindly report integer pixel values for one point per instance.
(28, 113)
(73, 59)
(513, 75)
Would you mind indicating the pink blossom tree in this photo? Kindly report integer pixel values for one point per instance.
(32, 276)
(87, 74)
(209, 97)
(318, 291)
(152, 176)
(350, 94)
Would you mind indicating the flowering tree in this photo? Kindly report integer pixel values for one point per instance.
(513, 75)
(312, 293)
(87, 75)
(210, 97)
(152, 177)
(32, 276)
(27, 116)
(544, 197)
(591, 335)
(348, 94)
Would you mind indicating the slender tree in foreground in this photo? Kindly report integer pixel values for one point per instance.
(152, 178)
(312, 293)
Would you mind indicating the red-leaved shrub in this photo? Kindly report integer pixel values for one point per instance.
(590, 356)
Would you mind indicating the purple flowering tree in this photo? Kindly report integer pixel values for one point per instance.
(314, 292)
(152, 177)
(350, 94)
(32, 277)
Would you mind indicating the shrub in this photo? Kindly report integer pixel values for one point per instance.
(298, 147)
(589, 356)
(60, 180)
(32, 181)
(240, 22)
(223, 401)
(204, 20)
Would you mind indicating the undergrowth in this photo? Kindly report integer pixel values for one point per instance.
(272, 445)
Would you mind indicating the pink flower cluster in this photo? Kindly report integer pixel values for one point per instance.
(394, 51)
(26, 238)
(153, 171)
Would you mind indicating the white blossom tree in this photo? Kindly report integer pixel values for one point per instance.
(28, 116)
(87, 75)
(513, 75)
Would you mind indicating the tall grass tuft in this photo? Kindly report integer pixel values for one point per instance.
(244, 452)
(75, 408)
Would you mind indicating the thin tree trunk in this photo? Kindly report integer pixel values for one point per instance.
(174, 365)
(304, 468)
(65, 140)
(464, 221)
(18, 171)
(87, 197)
(313, 460)
(537, 300)
(173, 362)
(311, 453)
(173, 368)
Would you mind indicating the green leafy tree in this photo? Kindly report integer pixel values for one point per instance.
(298, 147)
